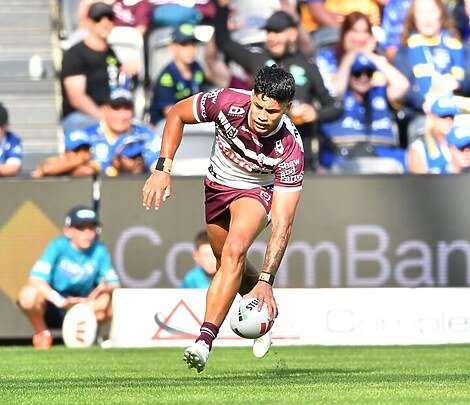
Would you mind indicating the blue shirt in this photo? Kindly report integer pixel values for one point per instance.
(74, 272)
(196, 278)
(171, 87)
(104, 147)
(10, 149)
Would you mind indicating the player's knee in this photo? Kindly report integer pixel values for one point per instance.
(235, 251)
(28, 297)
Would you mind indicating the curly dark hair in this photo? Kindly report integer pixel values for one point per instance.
(275, 82)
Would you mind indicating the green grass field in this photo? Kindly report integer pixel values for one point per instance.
(287, 375)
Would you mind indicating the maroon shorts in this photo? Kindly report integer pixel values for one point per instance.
(219, 198)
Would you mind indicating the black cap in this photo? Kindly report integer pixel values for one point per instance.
(279, 21)
(99, 10)
(81, 215)
(3, 115)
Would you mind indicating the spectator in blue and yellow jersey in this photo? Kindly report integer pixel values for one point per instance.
(10, 147)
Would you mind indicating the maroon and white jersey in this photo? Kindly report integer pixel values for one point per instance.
(241, 158)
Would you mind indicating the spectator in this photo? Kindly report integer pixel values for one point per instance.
(75, 161)
(367, 119)
(201, 275)
(128, 159)
(432, 58)
(394, 14)
(116, 130)
(458, 140)
(11, 153)
(313, 102)
(90, 69)
(316, 14)
(74, 268)
(135, 13)
(181, 78)
(431, 154)
(355, 37)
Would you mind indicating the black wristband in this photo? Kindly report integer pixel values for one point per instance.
(266, 277)
(164, 165)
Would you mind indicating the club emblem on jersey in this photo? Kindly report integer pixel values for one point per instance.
(279, 148)
(234, 110)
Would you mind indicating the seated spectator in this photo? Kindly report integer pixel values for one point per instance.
(75, 268)
(314, 103)
(458, 140)
(201, 275)
(432, 58)
(89, 70)
(11, 152)
(355, 37)
(393, 18)
(128, 159)
(317, 14)
(367, 124)
(75, 161)
(181, 78)
(117, 129)
(430, 154)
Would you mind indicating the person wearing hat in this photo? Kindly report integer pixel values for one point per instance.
(431, 154)
(367, 125)
(11, 152)
(314, 103)
(116, 126)
(75, 161)
(182, 77)
(458, 140)
(128, 158)
(74, 268)
(89, 70)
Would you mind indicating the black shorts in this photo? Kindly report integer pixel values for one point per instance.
(54, 316)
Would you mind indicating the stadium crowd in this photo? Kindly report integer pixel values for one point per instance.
(381, 85)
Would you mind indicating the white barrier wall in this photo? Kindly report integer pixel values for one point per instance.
(386, 316)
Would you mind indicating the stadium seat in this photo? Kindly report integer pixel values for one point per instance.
(192, 157)
(70, 15)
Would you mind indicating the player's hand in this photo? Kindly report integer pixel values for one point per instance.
(98, 290)
(157, 186)
(264, 292)
(71, 301)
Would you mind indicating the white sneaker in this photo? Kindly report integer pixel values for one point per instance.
(196, 355)
(262, 345)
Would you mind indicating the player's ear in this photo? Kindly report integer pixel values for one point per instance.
(288, 106)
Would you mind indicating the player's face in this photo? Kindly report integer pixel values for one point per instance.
(82, 237)
(265, 113)
(205, 258)
(118, 119)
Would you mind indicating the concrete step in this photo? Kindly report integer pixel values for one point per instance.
(19, 67)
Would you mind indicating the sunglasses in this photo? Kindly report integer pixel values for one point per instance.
(368, 72)
(464, 148)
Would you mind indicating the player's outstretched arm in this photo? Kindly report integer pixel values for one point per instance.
(157, 188)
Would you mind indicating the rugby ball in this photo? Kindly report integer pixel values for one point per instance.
(79, 326)
(248, 322)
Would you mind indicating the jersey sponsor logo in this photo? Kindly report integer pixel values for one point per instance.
(234, 110)
(230, 131)
(289, 164)
(289, 177)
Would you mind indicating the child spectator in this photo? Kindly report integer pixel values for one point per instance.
(181, 78)
(11, 152)
(201, 275)
(75, 161)
(458, 140)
